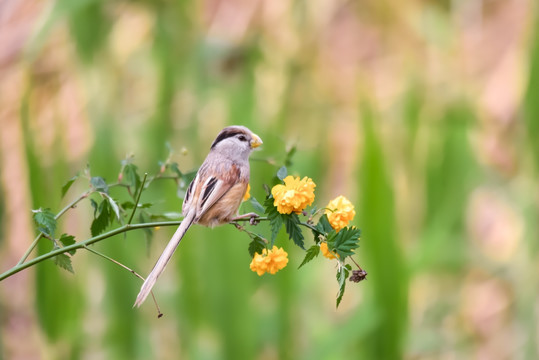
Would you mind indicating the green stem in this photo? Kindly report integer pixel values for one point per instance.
(251, 234)
(307, 225)
(138, 198)
(82, 244)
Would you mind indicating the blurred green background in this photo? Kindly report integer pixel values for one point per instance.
(424, 113)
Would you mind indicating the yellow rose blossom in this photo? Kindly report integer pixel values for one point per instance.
(247, 194)
(325, 251)
(269, 261)
(294, 196)
(340, 212)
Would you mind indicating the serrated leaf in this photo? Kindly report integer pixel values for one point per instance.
(67, 240)
(256, 205)
(68, 184)
(311, 253)
(132, 177)
(102, 220)
(99, 184)
(291, 222)
(45, 221)
(257, 245)
(64, 262)
(345, 241)
(113, 205)
(275, 218)
(323, 225)
(342, 275)
(282, 172)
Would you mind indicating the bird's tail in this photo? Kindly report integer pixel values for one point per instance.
(164, 258)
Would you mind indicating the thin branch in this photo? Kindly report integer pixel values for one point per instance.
(138, 198)
(159, 313)
(251, 234)
(82, 244)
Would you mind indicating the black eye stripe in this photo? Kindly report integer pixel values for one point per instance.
(225, 134)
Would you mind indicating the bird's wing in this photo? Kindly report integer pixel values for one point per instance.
(213, 189)
(210, 186)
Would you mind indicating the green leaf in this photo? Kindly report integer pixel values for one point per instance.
(282, 172)
(342, 275)
(131, 177)
(188, 177)
(45, 221)
(102, 220)
(94, 205)
(113, 205)
(99, 184)
(311, 253)
(256, 246)
(68, 184)
(67, 240)
(344, 242)
(275, 218)
(174, 167)
(290, 153)
(64, 262)
(323, 225)
(256, 205)
(291, 222)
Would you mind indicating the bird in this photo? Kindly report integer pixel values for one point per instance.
(215, 194)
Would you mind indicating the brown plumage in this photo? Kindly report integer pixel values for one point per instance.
(214, 195)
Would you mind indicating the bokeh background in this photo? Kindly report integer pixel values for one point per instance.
(424, 113)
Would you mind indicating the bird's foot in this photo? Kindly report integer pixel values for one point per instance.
(253, 218)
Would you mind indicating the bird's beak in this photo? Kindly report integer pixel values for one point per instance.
(256, 141)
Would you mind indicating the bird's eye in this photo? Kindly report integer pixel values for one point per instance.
(242, 138)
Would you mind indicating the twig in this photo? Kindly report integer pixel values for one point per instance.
(82, 244)
(138, 198)
(159, 313)
(251, 234)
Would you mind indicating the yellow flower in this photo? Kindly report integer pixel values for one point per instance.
(269, 261)
(326, 252)
(340, 212)
(294, 196)
(247, 193)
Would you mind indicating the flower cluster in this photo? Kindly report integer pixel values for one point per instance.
(340, 211)
(294, 196)
(269, 261)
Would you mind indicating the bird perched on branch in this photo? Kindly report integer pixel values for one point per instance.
(214, 195)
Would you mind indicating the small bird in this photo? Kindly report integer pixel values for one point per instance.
(214, 195)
